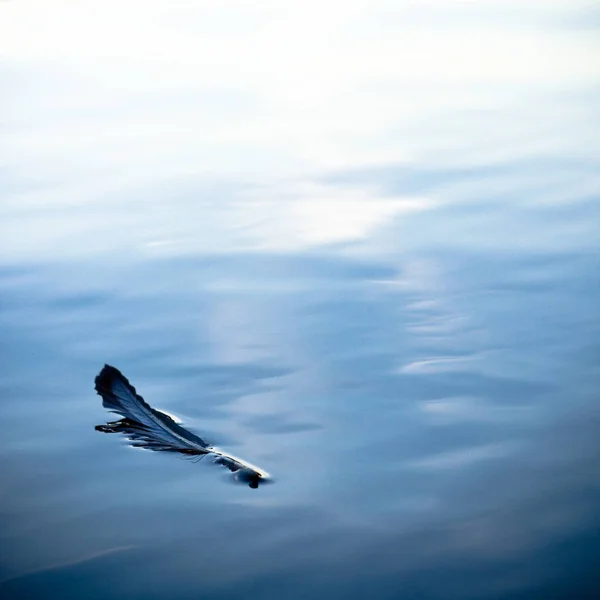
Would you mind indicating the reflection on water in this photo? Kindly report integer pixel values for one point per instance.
(366, 261)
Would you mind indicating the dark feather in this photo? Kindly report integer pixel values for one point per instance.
(152, 429)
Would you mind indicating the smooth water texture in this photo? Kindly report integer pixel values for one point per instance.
(358, 247)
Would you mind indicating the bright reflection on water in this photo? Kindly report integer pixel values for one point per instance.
(353, 243)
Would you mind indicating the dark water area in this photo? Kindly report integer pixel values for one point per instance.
(426, 401)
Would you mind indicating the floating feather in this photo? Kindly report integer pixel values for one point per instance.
(146, 427)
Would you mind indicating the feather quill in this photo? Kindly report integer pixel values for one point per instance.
(146, 427)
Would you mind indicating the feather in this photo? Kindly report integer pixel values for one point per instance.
(146, 427)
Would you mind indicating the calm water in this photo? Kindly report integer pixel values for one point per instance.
(410, 347)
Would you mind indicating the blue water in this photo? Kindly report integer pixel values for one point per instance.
(428, 407)
(357, 245)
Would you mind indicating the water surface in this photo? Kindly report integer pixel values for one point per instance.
(384, 292)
